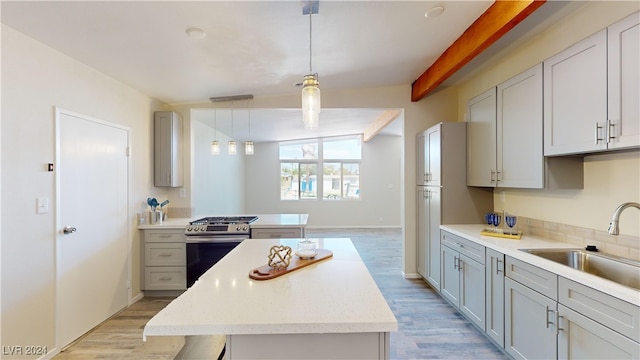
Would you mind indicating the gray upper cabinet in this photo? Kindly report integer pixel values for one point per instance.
(505, 139)
(623, 45)
(591, 92)
(168, 169)
(481, 139)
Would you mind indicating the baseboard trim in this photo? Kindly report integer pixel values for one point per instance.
(135, 299)
(411, 275)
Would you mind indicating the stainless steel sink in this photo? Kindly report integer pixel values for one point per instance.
(620, 270)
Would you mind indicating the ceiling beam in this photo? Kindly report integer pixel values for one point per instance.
(380, 123)
(497, 20)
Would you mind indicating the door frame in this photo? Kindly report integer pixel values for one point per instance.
(59, 112)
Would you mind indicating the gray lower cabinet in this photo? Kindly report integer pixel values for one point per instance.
(530, 331)
(530, 298)
(277, 233)
(587, 318)
(164, 260)
(463, 276)
(582, 338)
(550, 317)
(494, 309)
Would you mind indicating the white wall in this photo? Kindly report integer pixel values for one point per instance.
(35, 79)
(218, 181)
(610, 179)
(380, 188)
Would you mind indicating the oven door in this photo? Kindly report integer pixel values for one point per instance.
(204, 251)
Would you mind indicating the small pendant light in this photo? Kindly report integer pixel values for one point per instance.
(248, 145)
(232, 146)
(215, 146)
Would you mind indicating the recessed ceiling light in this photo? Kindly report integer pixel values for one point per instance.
(195, 33)
(434, 11)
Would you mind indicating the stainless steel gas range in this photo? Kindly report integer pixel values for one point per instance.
(211, 238)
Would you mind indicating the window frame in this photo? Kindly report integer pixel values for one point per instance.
(320, 161)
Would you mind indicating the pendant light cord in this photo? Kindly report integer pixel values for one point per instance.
(310, 28)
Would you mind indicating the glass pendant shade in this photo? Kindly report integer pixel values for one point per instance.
(310, 101)
(215, 147)
(248, 148)
(233, 147)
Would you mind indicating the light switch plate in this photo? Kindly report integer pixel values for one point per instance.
(42, 205)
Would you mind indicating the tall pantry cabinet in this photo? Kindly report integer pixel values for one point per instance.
(442, 194)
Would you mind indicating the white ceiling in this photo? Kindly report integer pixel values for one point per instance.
(250, 47)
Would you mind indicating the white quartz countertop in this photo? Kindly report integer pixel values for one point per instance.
(263, 221)
(335, 295)
(512, 248)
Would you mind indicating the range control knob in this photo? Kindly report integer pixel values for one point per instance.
(189, 228)
(203, 228)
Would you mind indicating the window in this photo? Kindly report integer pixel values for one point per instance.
(340, 164)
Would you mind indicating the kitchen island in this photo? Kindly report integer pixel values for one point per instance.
(329, 310)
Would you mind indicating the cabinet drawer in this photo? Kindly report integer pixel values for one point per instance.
(165, 278)
(540, 280)
(601, 307)
(276, 233)
(164, 236)
(165, 254)
(463, 246)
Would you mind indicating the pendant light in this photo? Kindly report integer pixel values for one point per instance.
(310, 84)
(215, 146)
(248, 145)
(232, 146)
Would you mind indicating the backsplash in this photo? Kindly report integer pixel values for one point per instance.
(179, 212)
(620, 245)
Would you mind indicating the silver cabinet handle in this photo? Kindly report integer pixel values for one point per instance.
(547, 315)
(166, 278)
(597, 133)
(456, 264)
(68, 230)
(558, 317)
(492, 178)
(165, 255)
(498, 270)
(610, 131)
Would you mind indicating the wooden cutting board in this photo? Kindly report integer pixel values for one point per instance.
(265, 272)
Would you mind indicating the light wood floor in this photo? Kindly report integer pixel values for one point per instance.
(428, 327)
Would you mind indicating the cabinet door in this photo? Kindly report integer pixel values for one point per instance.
(450, 279)
(481, 139)
(433, 156)
(494, 311)
(422, 203)
(472, 290)
(433, 237)
(168, 166)
(624, 83)
(582, 338)
(530, 329)
(520, 162)
(421, 159)
(575, 98)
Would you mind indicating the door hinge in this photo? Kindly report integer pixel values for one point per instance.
(128, 151)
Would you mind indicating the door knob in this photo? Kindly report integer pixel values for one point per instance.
(68, 230)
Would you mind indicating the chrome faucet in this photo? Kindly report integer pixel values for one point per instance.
(613, 225)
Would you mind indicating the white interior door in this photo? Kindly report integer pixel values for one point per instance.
(92, 189)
